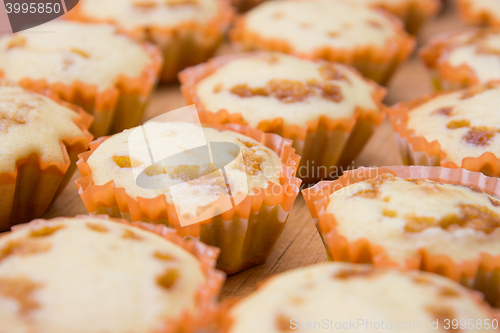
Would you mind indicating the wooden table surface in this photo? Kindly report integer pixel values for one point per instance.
(300, 244)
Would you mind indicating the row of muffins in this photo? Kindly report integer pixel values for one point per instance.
(108, 182)
(277, 319)
(381, 194)
(89, 72)
(415, 13)
(74, 78)
(279, 94)
(85, 66)
(411, 220)
(341, 111)
(329, 139)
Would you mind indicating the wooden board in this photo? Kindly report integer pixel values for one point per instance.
(300, 244)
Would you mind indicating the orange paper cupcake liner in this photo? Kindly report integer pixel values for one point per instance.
(376, 63)
(183, 45)
(325, 143)
(416, 150)
(413, 13)
(476, 17)
(114, 109)
(27, 192)
(206, 295)
(246, 234)
(482, 274)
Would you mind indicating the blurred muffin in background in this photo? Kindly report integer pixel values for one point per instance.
(186, 31)
(480, 12)
(413, 13)
(371, 40)
(453, 129)
(40, 140)
(356, 298)
(328, 109)
(108, 74)
(463, 58)
(93, 275)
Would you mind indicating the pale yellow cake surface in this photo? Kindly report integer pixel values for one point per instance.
(254, 166)
(64, 51)
(270, 85)
(88, 275)
(308, 25)
(404, 216)
(465, 124)
(138, 13)
(339, 297)
(32, 123)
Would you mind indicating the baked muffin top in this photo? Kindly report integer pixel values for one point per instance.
(269, 85)
(478, 49)
(32, 123)
(139, 13)
(91, 275)
(465, 123)
(354, 298)
(405, 215)
(198, 181)
(95, 54)
(310, 25)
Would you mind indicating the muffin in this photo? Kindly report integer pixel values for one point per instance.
(349, 32)
(84, 64)
(480, 12)
(92, 275)
(461, 59)
(186, 31)
(454, 129)
(413, 13)
(240, 204)
(358, 298)
(327, 109)
(40, 140)
(429, 218)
